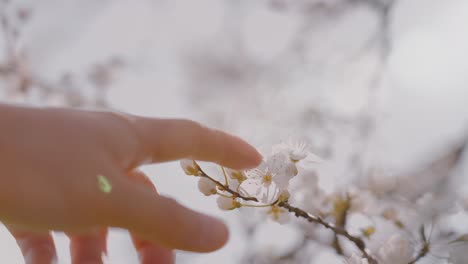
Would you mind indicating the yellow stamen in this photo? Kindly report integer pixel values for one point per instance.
(239, 176)
(275, 211)
(267, 179)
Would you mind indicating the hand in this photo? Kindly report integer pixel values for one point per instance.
(51, 164)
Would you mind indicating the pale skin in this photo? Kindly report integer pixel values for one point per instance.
(50, 159)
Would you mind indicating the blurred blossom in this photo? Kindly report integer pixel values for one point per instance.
(396, 250)
(355, 259)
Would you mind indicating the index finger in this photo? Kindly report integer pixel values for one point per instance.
(174, 139)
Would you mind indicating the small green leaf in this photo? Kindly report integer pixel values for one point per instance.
(104, 184)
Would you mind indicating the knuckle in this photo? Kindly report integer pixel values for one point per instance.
(129, 137)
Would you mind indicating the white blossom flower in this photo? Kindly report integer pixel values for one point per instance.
(277, 169)
(235, 178)
(296, 150)
(190, 167)
(281, 165)
(356, 259)
(225, 203)
(396, 250)
(277, 196)
(261, 176)
(279, 214)
(206, 186)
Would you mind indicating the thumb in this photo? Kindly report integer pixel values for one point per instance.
(159, 219)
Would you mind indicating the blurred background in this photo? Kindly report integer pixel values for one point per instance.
(377, 88)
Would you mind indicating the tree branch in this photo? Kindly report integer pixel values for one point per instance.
(358, 242)
(338, 230)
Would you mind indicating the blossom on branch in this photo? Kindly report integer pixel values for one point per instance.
(227, 203)
(269, 188)
(206, 186)
(190, 167)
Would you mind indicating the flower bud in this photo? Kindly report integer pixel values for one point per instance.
(225, 203)
(206, 186)
(190, 167)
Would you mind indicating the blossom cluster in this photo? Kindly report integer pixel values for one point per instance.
(266, 185)
(272, 187)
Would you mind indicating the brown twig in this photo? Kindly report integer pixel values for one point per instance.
(424, 249)
(358, 242)
(422, 253)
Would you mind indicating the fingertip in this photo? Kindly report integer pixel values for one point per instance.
(255, 158)
(214, 236)
(246, 155)
(173, 139)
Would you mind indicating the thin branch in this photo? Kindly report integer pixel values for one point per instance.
(226, 188)
(424, 249)
(341, 208)
(358, 242)
(225, 177)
